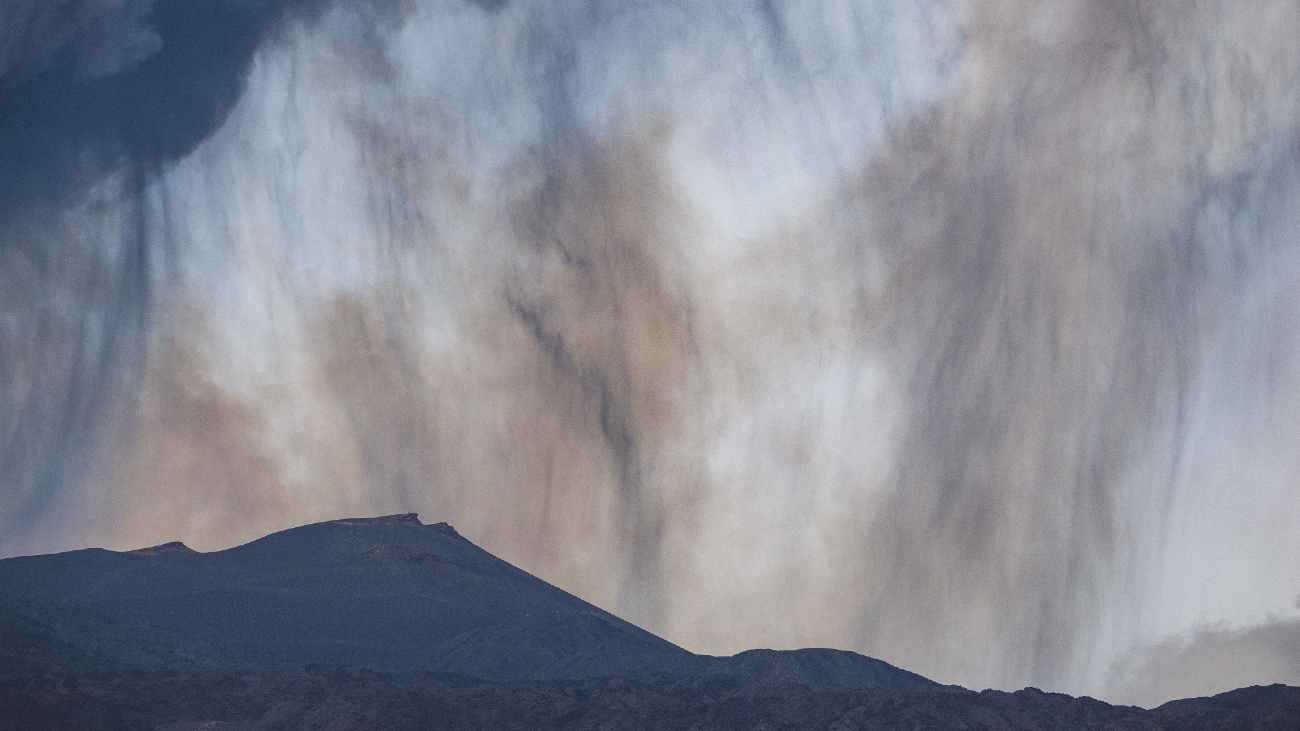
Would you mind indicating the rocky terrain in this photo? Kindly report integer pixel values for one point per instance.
(386, 623)
(322, 697)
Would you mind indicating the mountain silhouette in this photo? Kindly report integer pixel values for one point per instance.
(388, 594)
(387, 623)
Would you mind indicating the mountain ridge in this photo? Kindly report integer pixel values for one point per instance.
(387, 593)
(387, 623)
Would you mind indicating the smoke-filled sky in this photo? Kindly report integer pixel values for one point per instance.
(962, 334)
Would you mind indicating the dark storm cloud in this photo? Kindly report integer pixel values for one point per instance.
(89, 87)
(103, 37)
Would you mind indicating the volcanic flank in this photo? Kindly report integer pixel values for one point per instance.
(388, 594)
(389, 623)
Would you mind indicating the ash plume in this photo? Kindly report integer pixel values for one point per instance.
(961, 334)
(97, 98)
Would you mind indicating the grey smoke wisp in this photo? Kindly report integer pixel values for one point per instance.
(961, 334)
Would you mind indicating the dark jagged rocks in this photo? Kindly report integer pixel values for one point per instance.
(172, 547)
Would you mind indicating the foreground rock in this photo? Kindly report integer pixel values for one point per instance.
(335, 698)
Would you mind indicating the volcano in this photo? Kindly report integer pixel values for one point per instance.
(386, 622)
(388, 594)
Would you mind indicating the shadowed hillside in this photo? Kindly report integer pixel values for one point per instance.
(388, 594)
(386, 623)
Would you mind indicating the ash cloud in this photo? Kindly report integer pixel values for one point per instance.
(95, 99)
(945, 332)
(612, 325)
(1056, 283)
(1208, 662)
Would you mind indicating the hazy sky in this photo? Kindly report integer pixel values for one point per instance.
(962, 334)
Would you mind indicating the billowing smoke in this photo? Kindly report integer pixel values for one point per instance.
(962, 334)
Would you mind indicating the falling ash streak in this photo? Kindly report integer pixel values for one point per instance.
(932, 397)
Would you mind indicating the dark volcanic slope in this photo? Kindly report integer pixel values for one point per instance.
(378, 624)
(385, 593)
(320, 697)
